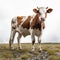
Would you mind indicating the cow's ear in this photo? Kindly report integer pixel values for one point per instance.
(35, 10)
(49, 10)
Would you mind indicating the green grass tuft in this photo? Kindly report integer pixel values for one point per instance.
(7, 54)
(25, 56)
(53, 57)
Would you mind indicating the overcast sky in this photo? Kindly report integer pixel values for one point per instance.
(12, 8)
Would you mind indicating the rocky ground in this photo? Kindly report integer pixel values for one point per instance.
(49, 52)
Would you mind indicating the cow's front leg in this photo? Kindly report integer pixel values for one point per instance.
(39, 43)
(18, 39)
(33, 40)
(12, 39)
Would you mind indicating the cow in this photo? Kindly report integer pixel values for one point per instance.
(29, 25)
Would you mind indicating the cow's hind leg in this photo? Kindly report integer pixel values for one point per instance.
(33, 41)
(18, 39)
(12, 39)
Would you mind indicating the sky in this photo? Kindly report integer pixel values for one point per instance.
(12, 8)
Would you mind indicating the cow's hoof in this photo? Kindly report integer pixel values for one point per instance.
(39, 50)
(11, 48)
(19, 48)
(32, 50)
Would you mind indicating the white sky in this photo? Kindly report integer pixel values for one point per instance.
(12, 8)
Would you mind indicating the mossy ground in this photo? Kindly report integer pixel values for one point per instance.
(25, 53)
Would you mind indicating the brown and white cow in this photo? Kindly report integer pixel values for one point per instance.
(29, 25)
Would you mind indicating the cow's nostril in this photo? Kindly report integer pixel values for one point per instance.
(42, 19)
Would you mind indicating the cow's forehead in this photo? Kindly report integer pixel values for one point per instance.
(42, 9)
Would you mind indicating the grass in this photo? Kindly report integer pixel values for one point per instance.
(25, 56)
(54, 57)
(25, 53)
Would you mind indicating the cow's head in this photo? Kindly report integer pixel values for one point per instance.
(42, 11)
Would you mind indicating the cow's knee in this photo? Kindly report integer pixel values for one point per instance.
(39, 41)
(33, 41)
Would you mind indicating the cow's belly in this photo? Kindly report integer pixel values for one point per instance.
(25, 32)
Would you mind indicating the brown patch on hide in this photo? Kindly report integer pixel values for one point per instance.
(26, 24)
(19, 19)
(36, 23)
